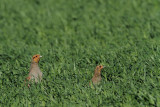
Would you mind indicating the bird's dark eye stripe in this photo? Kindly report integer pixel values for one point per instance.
(34, 57)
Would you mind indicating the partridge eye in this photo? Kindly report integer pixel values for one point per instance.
(100, 66)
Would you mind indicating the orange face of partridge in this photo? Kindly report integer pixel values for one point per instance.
(99, 68)
(36, 58)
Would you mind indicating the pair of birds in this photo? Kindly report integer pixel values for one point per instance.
(35, 74)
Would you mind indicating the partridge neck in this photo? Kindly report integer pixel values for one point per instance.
(34, 64)
(97, 73)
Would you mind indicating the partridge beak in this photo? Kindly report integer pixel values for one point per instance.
(104, 66)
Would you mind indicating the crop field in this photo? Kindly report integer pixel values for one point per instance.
(74, 36)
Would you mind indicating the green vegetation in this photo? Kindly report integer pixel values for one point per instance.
(74, 36)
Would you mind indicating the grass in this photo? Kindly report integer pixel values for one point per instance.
(74, 37)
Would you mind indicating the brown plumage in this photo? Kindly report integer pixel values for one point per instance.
(96, 79)
(35, 74)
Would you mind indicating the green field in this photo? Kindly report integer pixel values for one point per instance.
(74, 36)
